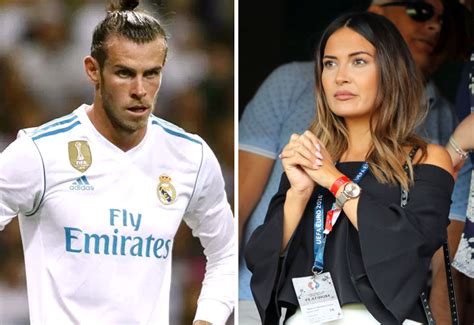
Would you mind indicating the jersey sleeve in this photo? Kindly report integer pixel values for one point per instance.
(21, 179)
(210, 218)
(260, 125)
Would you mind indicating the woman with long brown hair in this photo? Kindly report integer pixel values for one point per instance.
(363, 203)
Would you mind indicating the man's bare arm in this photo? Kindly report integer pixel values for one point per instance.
(254, 171)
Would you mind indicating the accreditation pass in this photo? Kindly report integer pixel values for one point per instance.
(317, 298)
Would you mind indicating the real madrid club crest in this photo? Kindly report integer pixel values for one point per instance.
(166, 191)
(80, 155)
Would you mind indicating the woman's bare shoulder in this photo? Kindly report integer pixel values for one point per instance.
(438, 156)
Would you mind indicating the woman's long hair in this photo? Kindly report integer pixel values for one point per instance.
(400, 103)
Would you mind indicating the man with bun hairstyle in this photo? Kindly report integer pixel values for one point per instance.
(101, 192)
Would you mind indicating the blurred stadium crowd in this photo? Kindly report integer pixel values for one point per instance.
(42, 45)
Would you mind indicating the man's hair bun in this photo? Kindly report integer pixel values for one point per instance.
(122, 5)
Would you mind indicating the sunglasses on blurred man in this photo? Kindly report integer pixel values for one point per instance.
(417, 10)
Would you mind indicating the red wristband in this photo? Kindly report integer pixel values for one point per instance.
(338, 183)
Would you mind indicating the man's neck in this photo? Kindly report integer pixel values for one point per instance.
(120, 138)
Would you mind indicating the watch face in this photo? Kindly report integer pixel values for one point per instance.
(352, 190)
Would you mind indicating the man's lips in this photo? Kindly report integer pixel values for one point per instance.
(344, 95)
(137, 108)
(427, 43)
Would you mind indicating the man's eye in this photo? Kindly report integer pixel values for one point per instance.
(152, 74)
(123, 73)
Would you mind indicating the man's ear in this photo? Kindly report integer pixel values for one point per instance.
(92, 68)
(376, 9)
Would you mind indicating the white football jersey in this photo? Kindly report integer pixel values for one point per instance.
(98, 223)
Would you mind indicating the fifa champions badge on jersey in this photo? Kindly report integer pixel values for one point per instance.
(80, 155)
(165, 190)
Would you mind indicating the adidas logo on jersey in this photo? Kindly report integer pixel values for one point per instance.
(81, 184)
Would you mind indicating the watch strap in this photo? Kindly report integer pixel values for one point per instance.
(341, 199)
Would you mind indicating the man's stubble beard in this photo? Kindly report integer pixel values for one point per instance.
(114, 117)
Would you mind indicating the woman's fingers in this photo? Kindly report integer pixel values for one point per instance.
(306, 150)
(314, 140)
(299, 155)
(321, 151)
(319, 155)
(307, 146)
(315, 145)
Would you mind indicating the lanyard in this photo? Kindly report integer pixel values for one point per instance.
(321, 233)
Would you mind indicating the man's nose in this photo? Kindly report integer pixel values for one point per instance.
(138, 89)
(434, 25)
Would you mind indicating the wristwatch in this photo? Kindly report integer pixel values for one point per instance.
(351, 191)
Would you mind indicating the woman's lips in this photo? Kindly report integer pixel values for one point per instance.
(344, 95)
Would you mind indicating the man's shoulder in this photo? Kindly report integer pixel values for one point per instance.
(175, 133)
(53, 128)
(185, 151)
(441, 119)
(436, 100)
(290, 83)
(298, 66)
(301, 72)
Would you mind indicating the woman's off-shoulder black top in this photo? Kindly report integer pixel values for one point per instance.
(383, 265)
